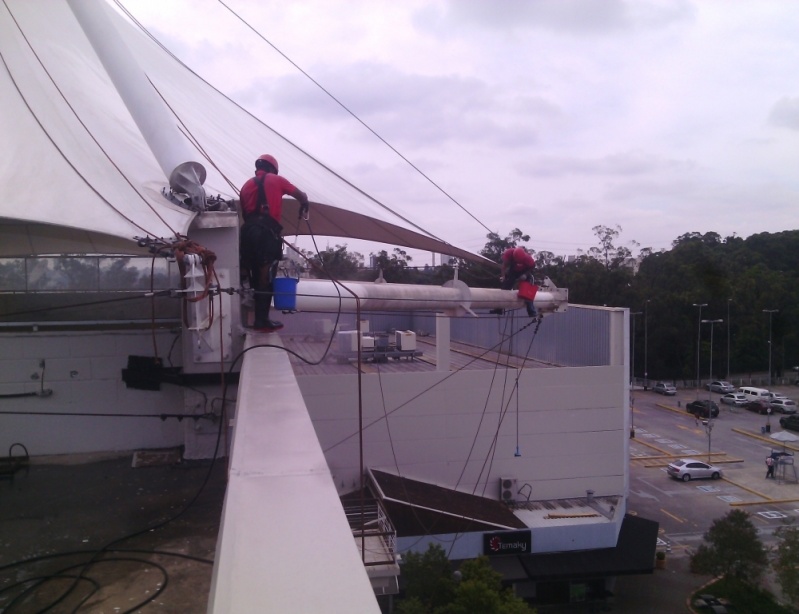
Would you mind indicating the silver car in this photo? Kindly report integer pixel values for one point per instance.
(734, 398)
(784, 406)
(665, 388)
(721, 387)
(773, 396)
(687, 469)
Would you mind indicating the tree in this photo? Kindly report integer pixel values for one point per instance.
(428, 579)
(394, 267)
(485, 275)
(610, 255)
(432, 589)
(732, 549)
(496, 245)
(335, 262)
(786, 563)
(480, 590)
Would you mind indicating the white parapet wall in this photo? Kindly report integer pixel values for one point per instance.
(284, 543)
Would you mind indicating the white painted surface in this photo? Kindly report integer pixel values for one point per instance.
(325, 295)
(84, 371)
(571, 428)
(284, 544)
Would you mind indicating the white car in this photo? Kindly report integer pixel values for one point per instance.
(784, 406)
(687, 469)
(734, 398)
(772, 396)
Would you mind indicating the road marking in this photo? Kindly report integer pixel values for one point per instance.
(677, 518)
(772, 515)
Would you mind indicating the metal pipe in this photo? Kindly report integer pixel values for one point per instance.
(158, 127)
(454, 297)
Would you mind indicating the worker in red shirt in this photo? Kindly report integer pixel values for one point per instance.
(517, 265)
(261, 234)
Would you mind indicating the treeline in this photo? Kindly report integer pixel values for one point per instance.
(751, 284)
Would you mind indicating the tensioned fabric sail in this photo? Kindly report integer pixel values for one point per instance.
(74, 158)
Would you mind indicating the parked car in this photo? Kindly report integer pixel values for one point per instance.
(687, 469)
(755, 394)
(700, 408)
(775, 395)
(790, 422)
(720, 386)
(756, 406)
(665, 388)
(734, 398)
(784, 406)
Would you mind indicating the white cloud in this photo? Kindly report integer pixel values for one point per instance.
(662, 116)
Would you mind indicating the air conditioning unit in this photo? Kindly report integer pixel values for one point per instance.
(405, 339)
(367, 342)
(348, 341)
(507, 490)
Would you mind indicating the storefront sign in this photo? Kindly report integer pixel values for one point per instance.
(507, 542)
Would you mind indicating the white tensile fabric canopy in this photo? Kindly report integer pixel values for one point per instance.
(77, 172)
(784, 436)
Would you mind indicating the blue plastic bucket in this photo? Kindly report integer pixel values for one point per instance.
(285, 293)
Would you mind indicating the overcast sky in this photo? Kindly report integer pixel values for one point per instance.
(553, 116)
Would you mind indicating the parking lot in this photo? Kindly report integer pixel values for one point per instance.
(735, 442)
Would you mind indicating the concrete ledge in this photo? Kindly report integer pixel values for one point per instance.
(284, 544)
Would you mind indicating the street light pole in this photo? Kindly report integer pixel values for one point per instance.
(709, 424)
(632, 379)
(698, 342)
(769, 312)
(646, 351)
(729, 300)
(632, 362)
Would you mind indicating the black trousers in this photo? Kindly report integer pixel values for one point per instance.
(261, 248)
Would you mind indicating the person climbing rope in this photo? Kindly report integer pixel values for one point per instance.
(517, 266)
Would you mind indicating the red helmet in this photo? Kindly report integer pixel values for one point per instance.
(267, 158)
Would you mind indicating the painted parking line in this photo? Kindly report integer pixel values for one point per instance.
(772, 515)
(670, 515)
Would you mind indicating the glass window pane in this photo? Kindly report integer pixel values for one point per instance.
(12, 274)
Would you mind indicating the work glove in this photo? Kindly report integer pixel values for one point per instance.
(304, 210)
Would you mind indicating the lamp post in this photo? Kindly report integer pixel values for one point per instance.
(646, 351)
(709, 423)
(698, 342)
(632, 362)
(632, 379)
(769, 312)
(729, 300)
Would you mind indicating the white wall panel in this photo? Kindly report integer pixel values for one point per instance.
(571, 427)
(84, 371)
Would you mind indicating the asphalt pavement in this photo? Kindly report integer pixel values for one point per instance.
(737, 443)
